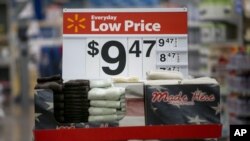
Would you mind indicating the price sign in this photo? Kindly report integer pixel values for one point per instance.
(128, 42)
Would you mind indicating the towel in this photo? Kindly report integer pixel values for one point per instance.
(100, 83)
(75, 93)
(105, 103)
(77, 88)
(50, 85)
(121, 79)
(101, 111)
(49, 79)
(103, 118)
(164, 75)
(76, 83)
(113, 93)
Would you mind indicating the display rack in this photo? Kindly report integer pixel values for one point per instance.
(125, 133)
(137, 132)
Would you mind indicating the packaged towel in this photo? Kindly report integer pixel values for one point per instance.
(113, 93)
(164, 75)
(101, 111)
(100, 83)
(105, 103)
(122, 79)
(104, 118)
(49, 85)
(202, 80)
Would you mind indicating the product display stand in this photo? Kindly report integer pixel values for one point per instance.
(136, 132)
(174, 41)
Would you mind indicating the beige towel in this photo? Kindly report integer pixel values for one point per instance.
(164, 75)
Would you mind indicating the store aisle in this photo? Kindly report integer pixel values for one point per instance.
(17, 125)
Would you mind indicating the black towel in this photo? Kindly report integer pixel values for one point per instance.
(60, 98)
(50, 85)
(77, 104)
(72, 104)
(49, 78)
(75, 91)
(73, 114)
(76, 83)
(77, 88)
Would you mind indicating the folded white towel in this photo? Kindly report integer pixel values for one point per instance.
(202, 80)
(164, 75)
(103, 118)
(101, 111)
(113, 93)
(100, 83)
(122, 79)
(105, 103)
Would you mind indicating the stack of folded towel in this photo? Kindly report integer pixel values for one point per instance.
(74, 105)
(52, 82)
(75, 102)
(107, 103)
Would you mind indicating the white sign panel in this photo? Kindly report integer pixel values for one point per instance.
(127, 42)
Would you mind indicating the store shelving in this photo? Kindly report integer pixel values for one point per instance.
(194, 24)
(137, 132)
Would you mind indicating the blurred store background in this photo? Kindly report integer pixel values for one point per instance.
(31, 46)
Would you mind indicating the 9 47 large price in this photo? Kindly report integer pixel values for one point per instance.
(94, 49)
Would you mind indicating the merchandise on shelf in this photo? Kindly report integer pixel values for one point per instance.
(121, 3)
(247, 8)
(1, 102)
(238, 80)
(194, 101)
(217, 32)
(134, 99)
(97, 103)
(126, 101)
(216, 9)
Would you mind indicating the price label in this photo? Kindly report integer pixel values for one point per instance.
(173, 68)
(100, 44)
(172, 43)
(167, 42)
(171, 57)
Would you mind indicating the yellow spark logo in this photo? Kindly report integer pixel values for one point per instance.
(76, 23)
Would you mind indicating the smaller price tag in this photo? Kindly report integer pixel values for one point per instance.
(167, 42)
(165, 58)
(172, 43)
(182, 69)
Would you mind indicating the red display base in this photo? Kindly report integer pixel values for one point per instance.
(125, 133)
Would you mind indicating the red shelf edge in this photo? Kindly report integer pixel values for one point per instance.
(135, 132)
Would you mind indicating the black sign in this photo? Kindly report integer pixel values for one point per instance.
(239, 132)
